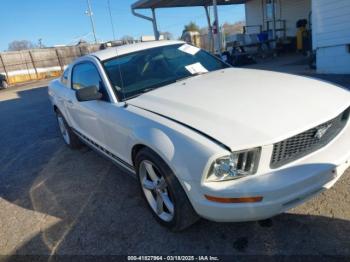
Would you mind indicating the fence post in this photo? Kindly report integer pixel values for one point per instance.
(59, 60)
(81, 53)
(35, 69)
(3, 65)
(25, 61)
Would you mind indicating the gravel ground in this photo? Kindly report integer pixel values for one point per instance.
(57, 201)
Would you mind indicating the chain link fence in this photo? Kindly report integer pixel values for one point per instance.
(35, 64)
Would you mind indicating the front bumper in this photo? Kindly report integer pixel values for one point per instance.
(281, 189)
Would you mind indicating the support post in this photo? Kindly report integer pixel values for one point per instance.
(3, 65)
(153, 20)
(218, 36)
(32, 60)
(155, 26)
(210, 30)
(274, 19)
(59, 60)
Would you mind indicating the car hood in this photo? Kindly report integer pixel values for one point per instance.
(244, 108)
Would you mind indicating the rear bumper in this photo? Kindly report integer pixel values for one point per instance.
(281, 189)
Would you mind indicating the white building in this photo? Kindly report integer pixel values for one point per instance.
(331, 35)
(330, 27)
(330, 23)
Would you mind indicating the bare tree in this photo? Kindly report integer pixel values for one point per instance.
(18, 45)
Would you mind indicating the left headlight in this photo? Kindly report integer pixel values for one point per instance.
(236, 165)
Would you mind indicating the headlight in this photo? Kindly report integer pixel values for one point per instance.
(238, 164)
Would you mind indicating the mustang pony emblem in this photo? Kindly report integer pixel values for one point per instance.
(322, 131)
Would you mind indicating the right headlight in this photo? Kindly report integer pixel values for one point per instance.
(236, 165)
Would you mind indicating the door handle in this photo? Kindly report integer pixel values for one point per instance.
(70, 102)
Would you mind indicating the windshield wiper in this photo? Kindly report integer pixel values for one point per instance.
(186, 77)
(142, 92)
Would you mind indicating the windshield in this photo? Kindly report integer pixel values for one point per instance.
(142, 71)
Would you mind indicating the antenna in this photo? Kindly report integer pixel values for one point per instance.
(111, 18)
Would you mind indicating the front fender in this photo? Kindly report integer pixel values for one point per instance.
(187, 157)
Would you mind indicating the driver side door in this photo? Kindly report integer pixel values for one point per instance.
(85, 116)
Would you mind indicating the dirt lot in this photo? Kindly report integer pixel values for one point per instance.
(57, 201)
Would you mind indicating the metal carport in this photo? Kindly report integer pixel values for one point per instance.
(154, 4)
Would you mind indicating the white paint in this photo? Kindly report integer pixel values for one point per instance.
(125, 49)
(249, 104)
(240, 108)
(331, 35)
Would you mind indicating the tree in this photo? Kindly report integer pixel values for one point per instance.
(127, 39)
(192, 27)
(231, 29)
(167, 35)
(19, 45)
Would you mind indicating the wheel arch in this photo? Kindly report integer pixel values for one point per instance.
(135, 150)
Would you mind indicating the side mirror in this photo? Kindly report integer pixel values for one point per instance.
(88, 94)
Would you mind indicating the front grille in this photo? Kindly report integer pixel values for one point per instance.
(307, 142)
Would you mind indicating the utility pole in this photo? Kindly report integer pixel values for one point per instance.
(110, 16)
(90, 14)
(40, 42)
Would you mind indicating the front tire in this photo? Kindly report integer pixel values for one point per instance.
(69, 137)
(163, 193)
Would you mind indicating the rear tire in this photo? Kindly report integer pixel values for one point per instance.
(163, 193)
(68, 136)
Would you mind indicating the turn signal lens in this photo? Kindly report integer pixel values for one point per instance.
(235, 200)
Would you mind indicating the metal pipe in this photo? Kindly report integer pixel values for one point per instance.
(218, 36)
(210, 30)
(155, 27)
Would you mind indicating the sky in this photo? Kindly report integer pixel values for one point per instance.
(63, 22)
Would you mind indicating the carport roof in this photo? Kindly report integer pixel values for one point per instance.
(153, 4)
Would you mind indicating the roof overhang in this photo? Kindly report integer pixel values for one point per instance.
(154, 4)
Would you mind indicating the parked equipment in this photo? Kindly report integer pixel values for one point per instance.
(3, 82)
(303, 36)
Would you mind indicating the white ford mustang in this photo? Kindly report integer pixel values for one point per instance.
(204, 139)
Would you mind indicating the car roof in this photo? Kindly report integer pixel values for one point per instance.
(130, 48)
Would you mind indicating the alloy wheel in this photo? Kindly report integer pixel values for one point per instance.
(156, 191)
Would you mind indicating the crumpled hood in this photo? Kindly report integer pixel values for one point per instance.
(244, 108)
